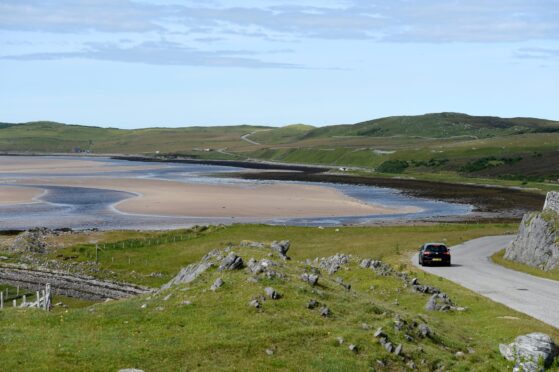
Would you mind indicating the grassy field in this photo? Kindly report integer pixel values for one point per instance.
(499, 258)
(220, 331)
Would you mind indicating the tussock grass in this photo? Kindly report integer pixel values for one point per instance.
(220, 331)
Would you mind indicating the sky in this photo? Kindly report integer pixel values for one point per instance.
(130, 64)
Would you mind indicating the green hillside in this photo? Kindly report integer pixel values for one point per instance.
(284, 134)
(47, 136)
(444, 145)
(443, 125)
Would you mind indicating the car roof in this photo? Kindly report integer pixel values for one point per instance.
(434, 244)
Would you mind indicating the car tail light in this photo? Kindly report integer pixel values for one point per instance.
(447, 253)
(427, 253)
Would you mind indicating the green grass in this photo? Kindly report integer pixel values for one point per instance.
(137, 260)
(441, 125)
(499, 258)
(56, 137)
(284, 134)
(220, 331)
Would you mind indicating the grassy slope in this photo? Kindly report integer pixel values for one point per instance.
(442, 125)
(220, 331)
(56, 137)
(499, 258)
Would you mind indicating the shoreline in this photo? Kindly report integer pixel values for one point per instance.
(489, 202)
(175, 199)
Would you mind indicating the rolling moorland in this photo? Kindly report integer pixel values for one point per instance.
(190, 326)
(441, 147)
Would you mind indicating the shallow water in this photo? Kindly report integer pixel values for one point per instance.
(82, 208)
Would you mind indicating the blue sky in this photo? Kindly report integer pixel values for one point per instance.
(131, 64)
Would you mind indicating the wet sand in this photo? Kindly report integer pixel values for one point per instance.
(37, 164)
(18, 195)
(169, 198)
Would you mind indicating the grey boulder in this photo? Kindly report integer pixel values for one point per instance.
(271, 293)
(231, 262)
(527, 350)
(281, 247)
(217, 284)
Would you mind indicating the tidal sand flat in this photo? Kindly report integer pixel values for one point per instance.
(170, 198)
(104, 193)
(18, 195)
(61, 165)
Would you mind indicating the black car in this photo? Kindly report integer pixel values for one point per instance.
(434, 253)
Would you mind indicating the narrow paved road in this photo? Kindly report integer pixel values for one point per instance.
(473, 269)
(246, 139)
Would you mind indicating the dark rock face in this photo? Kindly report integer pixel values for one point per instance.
(231, 262)
(527, 350)
(536, 243)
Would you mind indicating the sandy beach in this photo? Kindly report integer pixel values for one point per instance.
(38, 164)
(169, 198)
(18, 195)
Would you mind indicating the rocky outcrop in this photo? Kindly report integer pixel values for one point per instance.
(537, 242)
(31, 241)
(66, 284)
(552, 202)
(188, 274)
(530, 352)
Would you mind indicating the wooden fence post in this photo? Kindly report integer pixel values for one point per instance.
(47, 298)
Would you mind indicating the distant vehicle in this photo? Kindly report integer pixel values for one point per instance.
(434, 253)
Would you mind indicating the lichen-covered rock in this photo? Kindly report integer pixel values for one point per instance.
(334, 263)
(272, 293)
(312, 279)
(424, 330)
(188, 274)
(231, 262)
(528, 350)
(217, 284)
(537, 241)
(552, 201)
(251, 244)
(439, 302)
(281, 247)
(31, 241)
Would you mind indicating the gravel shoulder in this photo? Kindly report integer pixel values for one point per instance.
(472, 268)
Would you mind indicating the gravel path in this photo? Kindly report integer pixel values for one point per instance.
(473, 269)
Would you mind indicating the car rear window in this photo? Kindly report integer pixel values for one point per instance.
(436, 248)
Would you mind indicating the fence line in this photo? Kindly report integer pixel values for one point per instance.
(43, 299)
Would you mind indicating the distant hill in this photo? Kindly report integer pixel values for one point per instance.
(45, 136)
(441, 125)
(443, 143)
